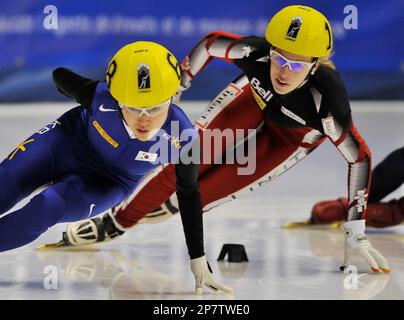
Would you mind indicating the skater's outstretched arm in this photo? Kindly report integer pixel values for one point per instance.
(74, 85)
(225, 46)
(214, 45)
(338, 125)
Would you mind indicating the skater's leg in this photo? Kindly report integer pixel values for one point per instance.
(277, 150)
(35, 162)
(72, 198)
(232, 113)
(387, 176)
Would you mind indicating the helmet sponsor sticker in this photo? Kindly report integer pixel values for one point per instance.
(294, 28)
(143, 77)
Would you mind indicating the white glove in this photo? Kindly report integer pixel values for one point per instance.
(357, 243)
(203, 277)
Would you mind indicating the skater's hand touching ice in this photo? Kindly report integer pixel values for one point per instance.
(203, 277)
(357, 243)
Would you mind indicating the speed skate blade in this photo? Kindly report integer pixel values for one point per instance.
(297, 224)
(50, 246)
(62, 246)
(310, 224)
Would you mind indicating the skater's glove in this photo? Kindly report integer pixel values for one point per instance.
(203, 277)
(357, 243)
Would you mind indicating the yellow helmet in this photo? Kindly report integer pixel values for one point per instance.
(143, 74)
(300, 30)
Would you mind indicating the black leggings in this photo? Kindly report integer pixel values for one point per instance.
(387, 176)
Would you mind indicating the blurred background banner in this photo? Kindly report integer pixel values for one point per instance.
(369, 45)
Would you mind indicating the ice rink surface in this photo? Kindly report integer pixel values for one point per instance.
(150, 261)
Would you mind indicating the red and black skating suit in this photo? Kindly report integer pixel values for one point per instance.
(289, 128)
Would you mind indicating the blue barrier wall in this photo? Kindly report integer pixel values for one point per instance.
(370, 58)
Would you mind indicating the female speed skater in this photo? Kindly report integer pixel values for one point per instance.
(94, 156)
(292, 95)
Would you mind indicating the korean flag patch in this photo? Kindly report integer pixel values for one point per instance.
(146, 156)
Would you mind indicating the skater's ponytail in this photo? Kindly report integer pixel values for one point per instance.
(326, 61)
